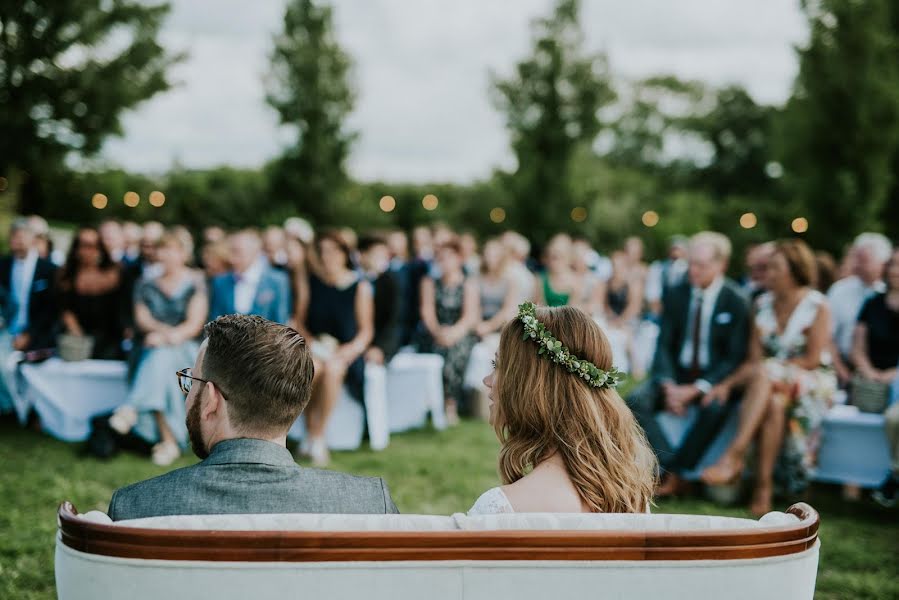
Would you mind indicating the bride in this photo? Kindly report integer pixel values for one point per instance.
(569, 442)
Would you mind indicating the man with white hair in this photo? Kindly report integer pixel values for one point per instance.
(872, 251)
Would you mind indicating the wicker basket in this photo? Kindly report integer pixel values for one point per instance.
(75, 347)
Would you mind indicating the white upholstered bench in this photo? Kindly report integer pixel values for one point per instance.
(400, 557)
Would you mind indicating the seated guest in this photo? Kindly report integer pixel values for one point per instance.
(568, 441)
(666, 275)
(585, 261)
(559, 285)
(113, 238)
(827, 271)
(519, 249)
(91, 296)
(703, 339)
(216, 259)
(170, 311)
(757, 258)
(498, 290)
(252, 287)
(250, 382)
(274, 244)
(338, 314)
(449, 310)
(876, 357)
(788, 389)
(869, 254)
(374, 259)
(27, 292)
(401, 268)
(623, 297)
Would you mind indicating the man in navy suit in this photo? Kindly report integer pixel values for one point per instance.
(253, 287)
(27, 298)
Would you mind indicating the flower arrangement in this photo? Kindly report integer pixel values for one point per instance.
(553, 349)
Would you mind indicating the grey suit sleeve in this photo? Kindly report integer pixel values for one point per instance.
(389, 507)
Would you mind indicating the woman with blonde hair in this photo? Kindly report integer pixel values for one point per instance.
(569, 442)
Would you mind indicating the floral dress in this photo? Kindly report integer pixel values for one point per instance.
(809, 393)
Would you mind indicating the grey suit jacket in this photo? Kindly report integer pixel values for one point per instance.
(250, 476)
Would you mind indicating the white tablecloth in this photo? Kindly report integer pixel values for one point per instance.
(66, 395)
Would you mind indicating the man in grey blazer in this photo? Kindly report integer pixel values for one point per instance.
(251, 380)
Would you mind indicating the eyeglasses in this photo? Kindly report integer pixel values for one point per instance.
(186, 379)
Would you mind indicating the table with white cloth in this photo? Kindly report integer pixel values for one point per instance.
(67, 395)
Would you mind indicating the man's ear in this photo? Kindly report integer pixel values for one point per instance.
(214, 402)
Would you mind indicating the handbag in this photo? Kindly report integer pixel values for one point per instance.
(869, 396)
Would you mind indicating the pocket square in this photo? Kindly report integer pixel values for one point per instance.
(723, 318)
(40, 285)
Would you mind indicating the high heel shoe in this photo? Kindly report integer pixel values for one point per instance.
(726, 471)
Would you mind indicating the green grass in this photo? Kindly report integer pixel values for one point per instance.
(428, 472)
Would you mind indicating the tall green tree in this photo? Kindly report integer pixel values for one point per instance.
(842, 121)
(551, 105)
(68, 70)
(309, 88)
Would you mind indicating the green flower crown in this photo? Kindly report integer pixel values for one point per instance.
(559, 354)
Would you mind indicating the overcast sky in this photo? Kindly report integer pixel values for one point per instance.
(422, 74)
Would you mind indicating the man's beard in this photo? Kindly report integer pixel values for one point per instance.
(197, 444)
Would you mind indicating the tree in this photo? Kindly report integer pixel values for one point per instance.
(308, 88)
(842, 121)
(551, 105)
(68, 70)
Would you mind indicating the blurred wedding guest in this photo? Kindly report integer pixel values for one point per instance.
(274, 244)
(132, 232)
(623, 298)
(519, 249)
(374, 259)
(875, 347)
(252, 287)
(471, 261)
(633, 247)
(450, 309)
(113, 239)
(170, 311)
(299, 228)
(213, 234)
(584, 263)
(145, 266)
(665, 275)
(91, 295)
(401, 268)
(43, 243)
(871, 252)
(422, 244)
(757, 258)
(703, 339)
(498, 290)
(216, 259)
(27, 292)
(827, 271)
(787, 388)
(337, 319)
(559, 284)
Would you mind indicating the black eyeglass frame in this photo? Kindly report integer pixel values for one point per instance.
(186, 373)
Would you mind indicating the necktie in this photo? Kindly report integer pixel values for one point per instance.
(697, 330)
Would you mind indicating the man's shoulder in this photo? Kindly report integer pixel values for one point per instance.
(150, 491)
(735, 293)
(346, 481)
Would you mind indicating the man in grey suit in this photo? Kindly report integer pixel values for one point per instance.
(251, 381)
(703, 339)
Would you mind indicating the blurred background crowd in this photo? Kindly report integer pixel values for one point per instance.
(780, 335)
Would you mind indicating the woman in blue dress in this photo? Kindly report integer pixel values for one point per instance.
(169, 311)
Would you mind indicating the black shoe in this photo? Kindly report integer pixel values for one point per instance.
(886, 495)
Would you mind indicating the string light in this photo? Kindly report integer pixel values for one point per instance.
(650, 218)
(800, 225)
(430, 202)
(99, 201)
(579, 214)
(131, 199)
(748, 220)
(387, 203)
(157, 199)
(498, 215)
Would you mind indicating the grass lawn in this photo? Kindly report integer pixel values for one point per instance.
(428, 472)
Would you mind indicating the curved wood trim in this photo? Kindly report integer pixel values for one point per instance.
(345, 546)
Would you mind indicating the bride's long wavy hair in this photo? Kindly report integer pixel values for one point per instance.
(540, 408)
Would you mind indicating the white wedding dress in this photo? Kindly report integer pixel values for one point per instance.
(491, 502)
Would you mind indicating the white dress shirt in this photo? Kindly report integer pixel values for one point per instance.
(845, 298)
(246, 286)
(21, 278)
(709, 299)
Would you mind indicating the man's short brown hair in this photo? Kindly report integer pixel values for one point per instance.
(263, 369)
